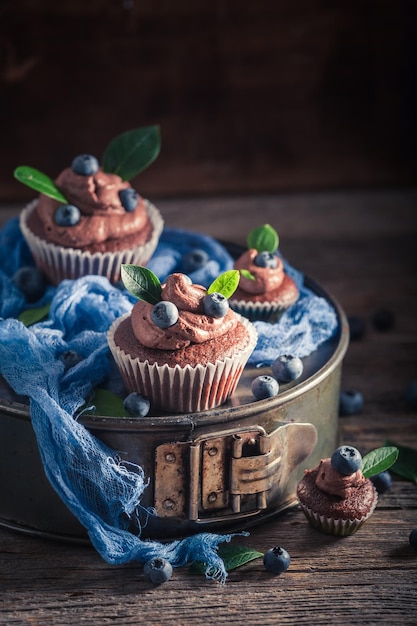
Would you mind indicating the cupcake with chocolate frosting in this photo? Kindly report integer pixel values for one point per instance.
(335, 496)
(265, 290)
(90, 220)
(181, 346)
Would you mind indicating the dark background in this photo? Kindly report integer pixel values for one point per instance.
(251, 95)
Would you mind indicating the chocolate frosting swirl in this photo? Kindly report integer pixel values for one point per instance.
(193, 326)
(266, 278)
(332, 482)
(102, 215)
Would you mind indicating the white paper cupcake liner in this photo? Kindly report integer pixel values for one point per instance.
(337, 527)
(185, 389)
(59, 263)
(258, 311)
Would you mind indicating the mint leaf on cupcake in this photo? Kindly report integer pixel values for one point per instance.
(263, 238)
(39, 181)
(379, 460)
(131, 152)
(225, 284)
(141, 282)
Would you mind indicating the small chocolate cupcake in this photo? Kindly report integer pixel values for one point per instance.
(185, 350)
(335, 496)
(265, 290)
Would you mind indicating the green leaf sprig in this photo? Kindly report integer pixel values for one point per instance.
(38, 181)
(226, 283)
(32, 316)
(126, 155)
(141, 282)
(406, 464)
(263, 238)
(379, 460)
(233, 557)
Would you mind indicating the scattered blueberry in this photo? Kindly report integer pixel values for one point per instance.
(164, 314)
(277, 560)
(85, 165)
(382, 481)
(413, 538)
(286, 368)
(357, 327)
(67, 215)
(383, 320)
(215, 304)
(129, 198)
(194, 260)
(350, 402)
(30, 281)
(411, 394)
(346, 460)
(266, 259)
(264, 387)
(157, 570)
(136, 405)
(70, 358)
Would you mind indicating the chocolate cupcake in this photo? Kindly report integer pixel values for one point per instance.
(185, 349)
(335, 496)
(265, 290)
(90, 220)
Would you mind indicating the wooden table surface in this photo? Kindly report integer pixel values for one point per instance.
(360, 246)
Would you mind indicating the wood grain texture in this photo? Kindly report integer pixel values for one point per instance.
(361, 248)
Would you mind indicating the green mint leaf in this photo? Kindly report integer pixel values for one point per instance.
(107, 404)
(247, 274)
(32, 316)
(233, 557)
(141, 282)
(226, 283)
(131, 152)
(406, 464)
(263, 239)
(379, 460)
(40, 182)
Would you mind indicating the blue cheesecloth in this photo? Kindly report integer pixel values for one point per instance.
(103, 492)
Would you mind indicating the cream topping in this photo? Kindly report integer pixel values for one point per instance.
(266, 278)
(193, 326)
(102, 215)
(332, 482)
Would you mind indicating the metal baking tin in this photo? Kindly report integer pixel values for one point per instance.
(227, 468)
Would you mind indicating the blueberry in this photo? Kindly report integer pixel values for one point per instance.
(382, 481)
(346, 460)
(136, 405)
(287, 367)
(413, 538)
(129, 198)
(264, 387)
(383, 320)
(215, 304)
(277, 560)
(350, 402)
(67, 215)
(194, 260)
(164, 314)
(357, 327)
(70, 358)
(85, 165)
(30, 281)
(266, 259)
(411, 394)
(157, 570)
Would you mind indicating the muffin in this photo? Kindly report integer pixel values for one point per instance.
(90, 220)
(184, 349)
(335, 496)
(265, 290)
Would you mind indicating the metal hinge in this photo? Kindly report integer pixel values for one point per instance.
(218, 474)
